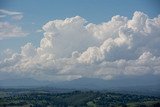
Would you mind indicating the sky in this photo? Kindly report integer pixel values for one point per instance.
(59, 40)
(36, 14)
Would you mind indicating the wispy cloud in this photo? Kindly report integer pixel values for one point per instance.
(39, 30)
(1, 16)
(8, 30)
(9, 12)
(14, 14)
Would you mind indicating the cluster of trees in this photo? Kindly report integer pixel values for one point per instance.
(79, 99)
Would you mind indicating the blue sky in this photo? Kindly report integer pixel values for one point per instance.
(40, 12)
(120, 38)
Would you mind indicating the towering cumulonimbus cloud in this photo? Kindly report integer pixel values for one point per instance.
(73, 48)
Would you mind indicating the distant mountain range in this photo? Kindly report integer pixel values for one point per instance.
(22, 82)
(142, 84)
(96, 83)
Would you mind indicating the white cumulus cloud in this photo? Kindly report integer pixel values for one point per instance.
(72, 48)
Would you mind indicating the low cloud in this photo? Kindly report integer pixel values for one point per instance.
(73, 48)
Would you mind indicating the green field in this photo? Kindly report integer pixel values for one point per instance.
(43, 98)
